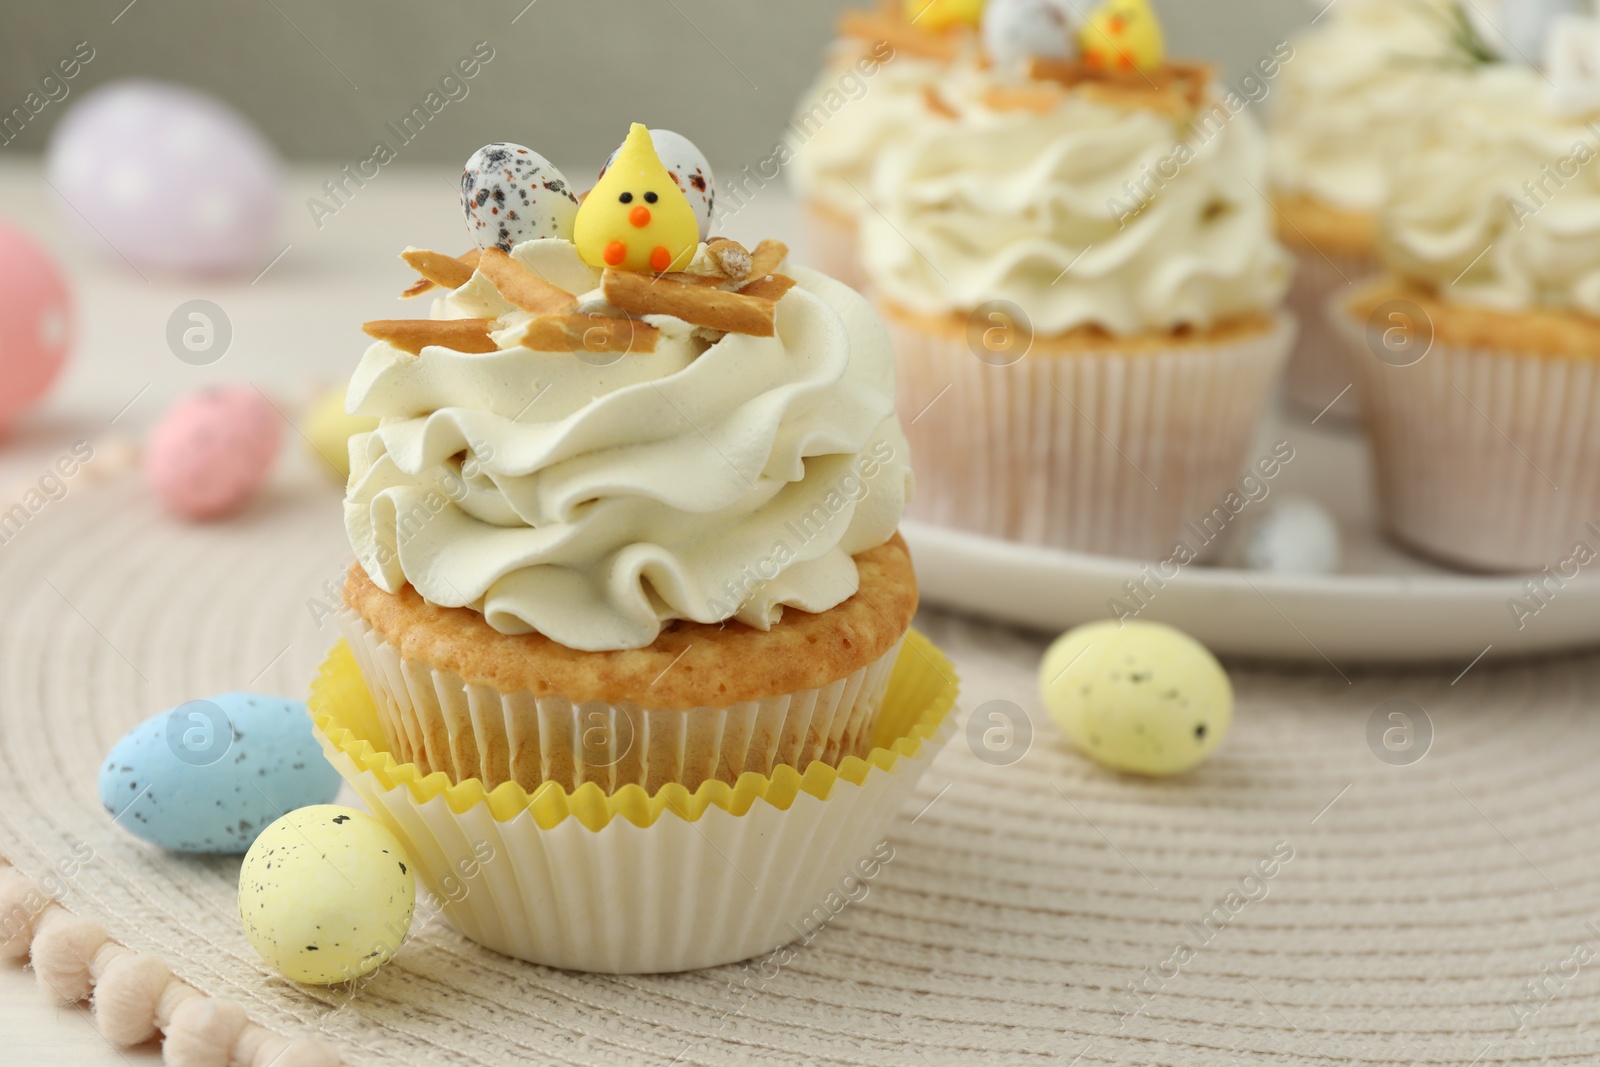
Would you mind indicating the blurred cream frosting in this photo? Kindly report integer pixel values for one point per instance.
(1496, 199)
(1091, 213)
(1348, 102)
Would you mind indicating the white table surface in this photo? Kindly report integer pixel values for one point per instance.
(295, 327)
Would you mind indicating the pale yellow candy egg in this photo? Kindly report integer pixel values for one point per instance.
(326, 894)
(1137, 696)
(329, 430)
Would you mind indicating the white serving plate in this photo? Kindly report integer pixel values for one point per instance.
(1384, 606)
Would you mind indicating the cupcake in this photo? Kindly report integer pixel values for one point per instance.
(1082, 285)
(628, 516)
(874, 88)
(1476, 355)
(1349, 90)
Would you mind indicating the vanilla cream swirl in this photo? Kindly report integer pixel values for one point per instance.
(594, 503)
(848, 117)
(1497, 202)
(1346, 102)
(1089, 214)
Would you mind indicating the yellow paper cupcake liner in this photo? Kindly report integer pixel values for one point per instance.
(922, 693)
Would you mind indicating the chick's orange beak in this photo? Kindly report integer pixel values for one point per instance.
(639, 216)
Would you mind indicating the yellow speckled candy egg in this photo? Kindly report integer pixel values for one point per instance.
(329, 429)
(1137, 696)
(326, 894)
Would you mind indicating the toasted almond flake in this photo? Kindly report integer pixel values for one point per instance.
(767, 258)
(936, 104)
(697, 305)
(1038, 97)
(438, 269)
(521, 287)
(902, 36)
(772, 287)
(413, 335)
(573, 332)
(1175, 89)
(730, 256)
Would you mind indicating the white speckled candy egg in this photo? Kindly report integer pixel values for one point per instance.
(689, 169)
(511, 194)
(209, 775)
(1294, 535)
(326, 894)
(1137, 696)
(1014, 30)
(166, 176)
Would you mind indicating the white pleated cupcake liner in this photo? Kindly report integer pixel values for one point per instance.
(672, 896)
(633, 884)
(1100, 451)
(439, 721)
(1485, 459)
(1319, 366)
(834, 246)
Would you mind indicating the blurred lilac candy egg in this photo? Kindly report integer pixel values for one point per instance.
(170, 177)
(212, 451)
(35, 322)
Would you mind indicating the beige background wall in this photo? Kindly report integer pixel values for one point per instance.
(322, 77)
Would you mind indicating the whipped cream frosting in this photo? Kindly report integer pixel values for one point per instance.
(1346, 103)
(1497, 200)
(845, 119)
(701, 481)
(1091, 214)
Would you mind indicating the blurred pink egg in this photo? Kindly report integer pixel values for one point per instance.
(170, 177)
(212, 451)
(35, 323)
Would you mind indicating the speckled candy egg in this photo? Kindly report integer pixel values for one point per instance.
(1137, 696)
(326, 894)
(1294, 535)
(328, 429)
(166, 176)
(212, 451)
(1015, 30)
(35, 323)
(689, 169)
(209, 775)
(511, 194)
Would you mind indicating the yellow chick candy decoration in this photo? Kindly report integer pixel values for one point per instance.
(1137, 696)
(1122, 35)
(636, 218)
(936, 16)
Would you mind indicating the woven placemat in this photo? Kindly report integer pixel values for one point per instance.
(1419, 904)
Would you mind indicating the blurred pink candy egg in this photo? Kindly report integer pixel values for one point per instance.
(212, 451)
(35, 322)
(169, 177)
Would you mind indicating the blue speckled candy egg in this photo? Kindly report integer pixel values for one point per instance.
(689, 169)
(208, 775)
(326, 894)
(511, 194)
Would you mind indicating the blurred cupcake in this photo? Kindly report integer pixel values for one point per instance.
(1348, 93)
(875, 88)
(1082, 285)
(620, 526)
(1476, 357)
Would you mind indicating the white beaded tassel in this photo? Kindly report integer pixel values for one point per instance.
(135, 996)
